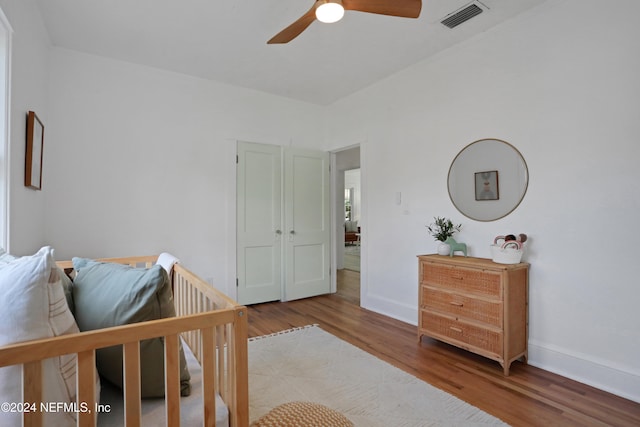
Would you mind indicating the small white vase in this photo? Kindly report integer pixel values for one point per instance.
(443, 248)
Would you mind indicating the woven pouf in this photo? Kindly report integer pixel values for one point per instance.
(302, 414)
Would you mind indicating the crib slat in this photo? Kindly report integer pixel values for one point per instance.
(230, 368)
(221, 362)
(209, 376)
(32, 380)
(86, 384)
(172, 379)
(239, 378)
(131, 383)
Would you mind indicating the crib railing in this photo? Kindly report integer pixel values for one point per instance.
(231, 379)
(214, 327)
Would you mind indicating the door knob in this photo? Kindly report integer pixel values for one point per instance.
(278, 232)
(292, 232)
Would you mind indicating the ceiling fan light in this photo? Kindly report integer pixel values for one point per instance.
(329, 11)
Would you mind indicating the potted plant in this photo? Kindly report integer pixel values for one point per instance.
(441, 229)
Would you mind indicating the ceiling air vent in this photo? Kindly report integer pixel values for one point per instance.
(456, 18)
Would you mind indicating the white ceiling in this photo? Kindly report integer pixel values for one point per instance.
(225, 40)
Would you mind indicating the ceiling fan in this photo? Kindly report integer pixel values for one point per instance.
(332, 11)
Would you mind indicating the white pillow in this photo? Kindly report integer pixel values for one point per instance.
(33, 305)
(5, 257)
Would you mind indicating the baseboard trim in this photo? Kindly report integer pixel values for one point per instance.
(585, 369)
(403, 312)
(601, 374)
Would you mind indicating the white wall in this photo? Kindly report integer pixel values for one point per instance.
(29, 69)
(561, 84)
(143, 161)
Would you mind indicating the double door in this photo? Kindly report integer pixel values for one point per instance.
(283, 223)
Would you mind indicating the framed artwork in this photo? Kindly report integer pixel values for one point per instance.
(33, 158)
(487, 185)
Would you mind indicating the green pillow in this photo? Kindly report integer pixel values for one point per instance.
(107, 294)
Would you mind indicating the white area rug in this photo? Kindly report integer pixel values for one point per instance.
(309, 364)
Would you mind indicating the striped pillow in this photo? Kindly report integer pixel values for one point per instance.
(34, 306)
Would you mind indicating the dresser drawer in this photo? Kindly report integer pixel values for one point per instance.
(489, 312)
(474, 281)
(444, 327)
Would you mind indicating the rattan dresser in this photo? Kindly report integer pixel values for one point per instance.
(475, 304)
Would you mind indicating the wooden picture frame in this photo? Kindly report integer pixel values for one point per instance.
(33, 157)
(486, 185)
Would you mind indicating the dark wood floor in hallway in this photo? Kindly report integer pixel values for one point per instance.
(528, 397)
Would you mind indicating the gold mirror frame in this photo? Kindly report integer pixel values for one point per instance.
(487, 180)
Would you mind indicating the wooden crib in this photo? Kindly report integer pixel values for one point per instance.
(213, 325)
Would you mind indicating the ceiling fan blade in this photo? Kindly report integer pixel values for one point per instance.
(401, 8)
(294, 30)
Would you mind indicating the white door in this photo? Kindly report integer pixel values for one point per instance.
(307, 223)
(283, 236)
(259, 218)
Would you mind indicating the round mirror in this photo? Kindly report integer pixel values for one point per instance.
(488, 179)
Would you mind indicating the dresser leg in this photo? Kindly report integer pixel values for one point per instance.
(505, 368)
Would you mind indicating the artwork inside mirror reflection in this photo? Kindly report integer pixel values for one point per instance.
(487, 185)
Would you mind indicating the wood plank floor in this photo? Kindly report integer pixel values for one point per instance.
(528, 397)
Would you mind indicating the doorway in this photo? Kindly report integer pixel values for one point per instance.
(350, 231)
(352, 227)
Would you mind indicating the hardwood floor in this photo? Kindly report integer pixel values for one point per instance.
(528, 397)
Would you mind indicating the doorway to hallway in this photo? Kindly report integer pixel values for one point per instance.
(350, 232)
(352, 227)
